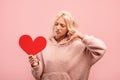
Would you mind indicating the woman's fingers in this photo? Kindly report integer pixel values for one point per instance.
(33, 60)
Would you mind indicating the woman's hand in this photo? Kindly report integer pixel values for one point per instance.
(33, 60)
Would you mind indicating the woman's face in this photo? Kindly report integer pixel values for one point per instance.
(60, 28)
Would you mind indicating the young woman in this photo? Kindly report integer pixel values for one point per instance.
(69, 54)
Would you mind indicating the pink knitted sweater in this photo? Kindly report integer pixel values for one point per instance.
(63, 61)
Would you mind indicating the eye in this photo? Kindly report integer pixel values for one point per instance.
(62, 25)
(56, 24)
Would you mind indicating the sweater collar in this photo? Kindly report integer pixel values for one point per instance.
(62, 42)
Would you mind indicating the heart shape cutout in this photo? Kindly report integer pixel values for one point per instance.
(32, 47)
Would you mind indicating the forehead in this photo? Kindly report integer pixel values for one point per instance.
(61, 20)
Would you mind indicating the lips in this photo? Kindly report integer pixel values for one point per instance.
(58, 32)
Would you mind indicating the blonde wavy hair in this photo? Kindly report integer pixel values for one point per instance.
(71, 25)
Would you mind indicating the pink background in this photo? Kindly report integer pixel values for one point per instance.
(100, 18)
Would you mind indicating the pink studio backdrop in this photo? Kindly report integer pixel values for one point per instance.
(100, 18)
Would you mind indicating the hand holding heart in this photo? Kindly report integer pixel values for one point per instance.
(32, 47)
(34, 61)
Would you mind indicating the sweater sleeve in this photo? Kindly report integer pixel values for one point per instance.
(37, 71)
(95, 48)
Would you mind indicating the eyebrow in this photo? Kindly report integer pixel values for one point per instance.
(60, 23)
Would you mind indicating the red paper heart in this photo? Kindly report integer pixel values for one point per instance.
(32, 47)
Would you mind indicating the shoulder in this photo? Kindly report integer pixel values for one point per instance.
(77, 46)
(77, 43)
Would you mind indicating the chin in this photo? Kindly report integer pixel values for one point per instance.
(57, 36)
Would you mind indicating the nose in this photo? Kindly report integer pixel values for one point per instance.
(58, 27)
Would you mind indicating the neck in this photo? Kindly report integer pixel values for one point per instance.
(58, 39)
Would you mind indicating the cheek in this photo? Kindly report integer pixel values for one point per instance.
(65, 31)
(54, 29)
